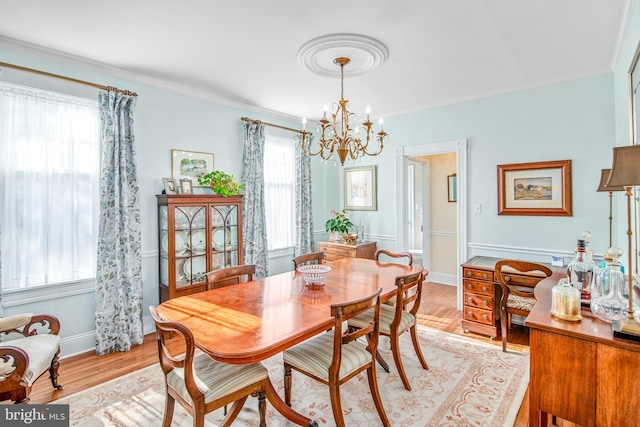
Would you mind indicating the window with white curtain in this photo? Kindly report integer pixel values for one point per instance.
(49, 157)
(279, 191)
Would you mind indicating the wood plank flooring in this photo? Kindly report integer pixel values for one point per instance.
(80, 372)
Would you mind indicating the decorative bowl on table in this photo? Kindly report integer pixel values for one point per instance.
(313, 274)
(350, 238)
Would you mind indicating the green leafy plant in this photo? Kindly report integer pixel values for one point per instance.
(339, 222)
(221, 182)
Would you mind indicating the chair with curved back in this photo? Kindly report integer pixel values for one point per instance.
(310, 258)
(516, 298)
(230, 276)
(25, 359)
(394, 255)
(335, 357)
(201, 384)
(397, 319)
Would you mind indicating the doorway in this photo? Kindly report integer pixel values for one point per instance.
(414, 214)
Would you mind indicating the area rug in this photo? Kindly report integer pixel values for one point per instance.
(469, 383)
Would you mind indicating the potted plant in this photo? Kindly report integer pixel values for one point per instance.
(339, 223)
(221, 183)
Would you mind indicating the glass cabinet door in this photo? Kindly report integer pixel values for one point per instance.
(224, 236)
(190, 244)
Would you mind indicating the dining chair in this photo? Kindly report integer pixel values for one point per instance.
(230, 276)
(201, 384)
(310, 258)
(408, 258)
(335, 357)
(517, 298)
(25, 359)
(397, 319)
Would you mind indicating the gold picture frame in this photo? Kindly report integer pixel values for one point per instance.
(536, 188)
(360, 189)
(190, 165)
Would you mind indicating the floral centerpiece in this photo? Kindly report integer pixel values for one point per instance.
(338, 223)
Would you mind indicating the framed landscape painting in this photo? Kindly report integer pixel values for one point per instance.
(190, 165)
(537, 188)
(360, 188)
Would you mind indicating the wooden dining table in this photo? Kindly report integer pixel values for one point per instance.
(255, 320)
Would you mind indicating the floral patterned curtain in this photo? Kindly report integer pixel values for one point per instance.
(304, 211)
(119, 263)
(253, 215)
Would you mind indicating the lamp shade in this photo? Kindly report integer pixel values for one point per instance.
(604, 177)
(625, 170)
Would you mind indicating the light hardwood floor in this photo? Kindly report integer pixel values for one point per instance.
(80, 372)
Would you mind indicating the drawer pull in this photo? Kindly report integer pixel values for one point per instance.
(484, 275)
(486, 302)
(470, 286)
(469, 273)
(470, 314)
(470, 300)
(485, 316)
(507, 278)
(484, 288)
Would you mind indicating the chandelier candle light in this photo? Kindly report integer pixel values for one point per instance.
(336, 135)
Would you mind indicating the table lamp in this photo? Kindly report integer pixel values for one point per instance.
(604, 177)
(625, 172)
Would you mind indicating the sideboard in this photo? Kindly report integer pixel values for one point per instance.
(579, 371)
(335, 250)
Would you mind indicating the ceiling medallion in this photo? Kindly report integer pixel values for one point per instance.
(364, 53)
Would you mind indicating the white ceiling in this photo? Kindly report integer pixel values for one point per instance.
(244, 52)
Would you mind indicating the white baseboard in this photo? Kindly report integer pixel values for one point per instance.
(445, 279)
(85, 342)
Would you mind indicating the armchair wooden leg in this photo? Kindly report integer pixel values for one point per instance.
(236, 407)
(53, 371)
(169, 404)
(336, 404)
(503, 330)
(375, 394)
(397, 358)
(416, 347)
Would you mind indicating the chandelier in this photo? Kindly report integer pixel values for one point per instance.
(337, 135)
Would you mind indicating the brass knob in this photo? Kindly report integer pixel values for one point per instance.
(469, 273)
(484, 275)
(470, 300)
(486, 302)
(470, 286)
(507, 278)
(485, 317)
(484, 288)
(470, 314)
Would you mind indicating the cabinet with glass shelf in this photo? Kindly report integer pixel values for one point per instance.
(197, 233)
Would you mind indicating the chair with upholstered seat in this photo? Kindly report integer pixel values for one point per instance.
(230, 276)
(335, 357)
(310, 258)
(401, 257)
(516, 298)
(397, 319)
(25, 359)
(201, 384)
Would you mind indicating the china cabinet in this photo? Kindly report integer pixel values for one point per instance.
(197, 233)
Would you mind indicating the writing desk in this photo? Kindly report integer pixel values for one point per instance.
(253, 321)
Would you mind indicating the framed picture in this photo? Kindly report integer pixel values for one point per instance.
(360, 189)
(452, 188)
(186, 186)
(190, 164)
(537, 188)
(170, 186)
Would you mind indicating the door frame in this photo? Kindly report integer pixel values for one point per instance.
(459, 147)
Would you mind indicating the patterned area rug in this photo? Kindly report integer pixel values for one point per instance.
(468, 383)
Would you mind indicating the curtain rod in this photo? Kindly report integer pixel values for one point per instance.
(247, 119)
(69, 79)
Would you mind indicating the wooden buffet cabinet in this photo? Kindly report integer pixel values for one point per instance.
(197, 233)
(579, 371)
(482, 293)
(335, 250)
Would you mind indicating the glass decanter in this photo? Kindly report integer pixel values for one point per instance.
(580, 272)
(612, 306)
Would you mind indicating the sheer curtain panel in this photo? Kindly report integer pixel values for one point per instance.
(49, 151)
(119, 264)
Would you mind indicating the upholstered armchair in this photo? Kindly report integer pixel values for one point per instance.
(26, 358)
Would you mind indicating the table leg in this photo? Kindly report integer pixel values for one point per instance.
(279, 405)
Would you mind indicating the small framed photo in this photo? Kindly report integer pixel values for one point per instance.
(170, 186)
(190, 164)
(360, 188)
(536, 188)
(185, 185)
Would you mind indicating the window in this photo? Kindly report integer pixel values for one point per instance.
(279, 191)
(49, 156)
